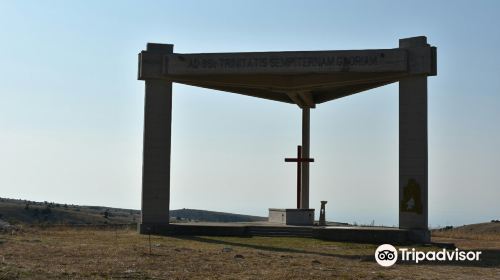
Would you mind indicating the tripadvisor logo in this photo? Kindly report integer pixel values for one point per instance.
(387, 255)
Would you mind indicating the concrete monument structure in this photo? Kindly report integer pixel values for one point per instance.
(303, 78)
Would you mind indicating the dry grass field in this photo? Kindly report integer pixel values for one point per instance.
(89, 253)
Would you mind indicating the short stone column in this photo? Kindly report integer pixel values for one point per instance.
(322, 216)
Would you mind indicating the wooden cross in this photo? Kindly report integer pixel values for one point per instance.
(299, 160)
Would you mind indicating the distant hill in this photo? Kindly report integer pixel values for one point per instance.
(32, 212)
(212, 216)
(492, 227)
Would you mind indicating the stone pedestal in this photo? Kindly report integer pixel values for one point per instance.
(296, 217)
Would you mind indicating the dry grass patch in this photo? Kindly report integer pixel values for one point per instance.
(56, 253)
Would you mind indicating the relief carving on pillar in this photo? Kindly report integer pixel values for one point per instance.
(412, 197)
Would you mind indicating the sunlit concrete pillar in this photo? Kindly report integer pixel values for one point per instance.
(413, 159)
(156, 149)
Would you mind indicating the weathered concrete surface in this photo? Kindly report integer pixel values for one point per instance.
(366, 235)
(292, 216)
(156, 153)
(302, 78)
(301, 62)
(413, 161)
(376, 235)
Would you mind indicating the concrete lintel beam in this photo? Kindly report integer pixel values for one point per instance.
(286, 63)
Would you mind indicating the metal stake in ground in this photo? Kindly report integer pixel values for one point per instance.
(299, 160)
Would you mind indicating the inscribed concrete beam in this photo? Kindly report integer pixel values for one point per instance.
(270, 74)
(381, 60)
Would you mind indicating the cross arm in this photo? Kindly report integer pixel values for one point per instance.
(299, 160)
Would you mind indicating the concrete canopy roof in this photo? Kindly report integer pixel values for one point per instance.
(305, 78)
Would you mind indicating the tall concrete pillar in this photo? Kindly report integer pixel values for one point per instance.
(156, 153)
(306, 120)
(413, 159)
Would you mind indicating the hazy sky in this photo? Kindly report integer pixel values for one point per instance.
(71, 107)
